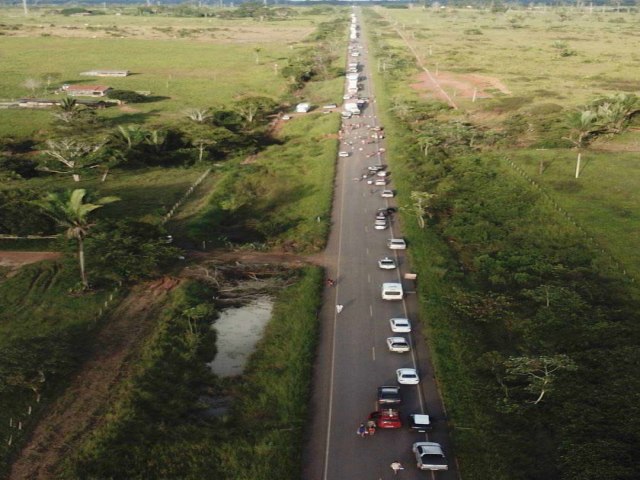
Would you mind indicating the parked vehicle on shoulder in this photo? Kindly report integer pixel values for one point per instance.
(429, 456)
(382, 173)
(407, 376)
(376, 168)
(400, 325)
(380, 182)
(389, 395)
(330, 106)
(398, 344)
(387, 194)
(397, 244)
(346, 114)
(342, 153)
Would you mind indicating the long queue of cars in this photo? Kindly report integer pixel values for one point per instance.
(429, 455)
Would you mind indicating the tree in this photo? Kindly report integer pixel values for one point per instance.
(68, 210)
(538, 371)
(128, 250)
(422, 206)
(72, 155)
(253, 109)
(68, 110)
(583, 124)
(199, 115)
(32, 84)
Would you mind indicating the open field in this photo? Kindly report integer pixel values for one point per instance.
(183, 62)
(550, 62)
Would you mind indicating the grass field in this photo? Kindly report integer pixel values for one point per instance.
(523, 51)
(184, 62)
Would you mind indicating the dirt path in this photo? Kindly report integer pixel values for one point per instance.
(14, 260)
(73, 416)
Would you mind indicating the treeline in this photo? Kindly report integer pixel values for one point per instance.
(536, 337)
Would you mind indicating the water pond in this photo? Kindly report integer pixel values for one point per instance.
(238, 332)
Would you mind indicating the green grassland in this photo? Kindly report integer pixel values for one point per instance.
(522, 49)
(283, 196)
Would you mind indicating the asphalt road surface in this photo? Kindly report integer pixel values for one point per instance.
(353, 359)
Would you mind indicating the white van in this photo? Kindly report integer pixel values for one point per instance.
(392, 291)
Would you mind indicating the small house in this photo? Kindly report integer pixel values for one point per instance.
(86, 90)
(106, 73)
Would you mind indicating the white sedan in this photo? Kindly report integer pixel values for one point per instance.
(398, 344)
(381, 224)
(387, 194)
(400, 325)
(387, 263)
(396, 244)
(407, 376)
(343, 154)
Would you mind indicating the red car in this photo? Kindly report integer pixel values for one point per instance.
(386, 418)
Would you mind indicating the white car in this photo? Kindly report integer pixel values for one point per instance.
(346, 114)
(343, 154)
(286, 117)
(387, 194)
(407, 376)
(429, 456)
(376, 168)
(400, 325)
(381, 224)
(397, 244)
(380, 182)
(330, 106)
(382, 173)
(387, 263)
(398, 344)
(392, 291)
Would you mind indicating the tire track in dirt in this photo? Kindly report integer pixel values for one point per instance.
(82, 407)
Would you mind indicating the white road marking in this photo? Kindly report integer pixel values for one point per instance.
(373, 353)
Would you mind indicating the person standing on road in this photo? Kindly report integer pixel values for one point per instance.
(396, 467)
(362, 431)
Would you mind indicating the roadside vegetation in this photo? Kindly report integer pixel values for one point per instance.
(533, 326)
(204, 107)
(160, 426)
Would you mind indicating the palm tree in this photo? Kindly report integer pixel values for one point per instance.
(199, 115)
(583, 123)
(68, 210)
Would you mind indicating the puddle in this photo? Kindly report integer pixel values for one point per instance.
(238, 331)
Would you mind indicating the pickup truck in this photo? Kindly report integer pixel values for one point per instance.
(429, 456)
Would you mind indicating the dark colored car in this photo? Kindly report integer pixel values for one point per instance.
(419, 422)
(389, 395)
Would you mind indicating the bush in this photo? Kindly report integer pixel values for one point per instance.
(127, 96)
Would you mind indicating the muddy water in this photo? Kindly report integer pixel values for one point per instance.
(238, 330)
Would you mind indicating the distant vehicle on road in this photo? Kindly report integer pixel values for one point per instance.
(398, 344)
(400, 325)
(396, 244)
(429, 456)
(387, 263)
(330, 106)
(286, 117)
(407, 376)
(382, 224)
(389, 395)
(346, 114)
(419, 422)
(376, 168)
(343, 154)
(387, 194)
(392, 291)
(380, 182)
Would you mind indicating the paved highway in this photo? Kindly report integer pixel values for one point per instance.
(353, 358)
